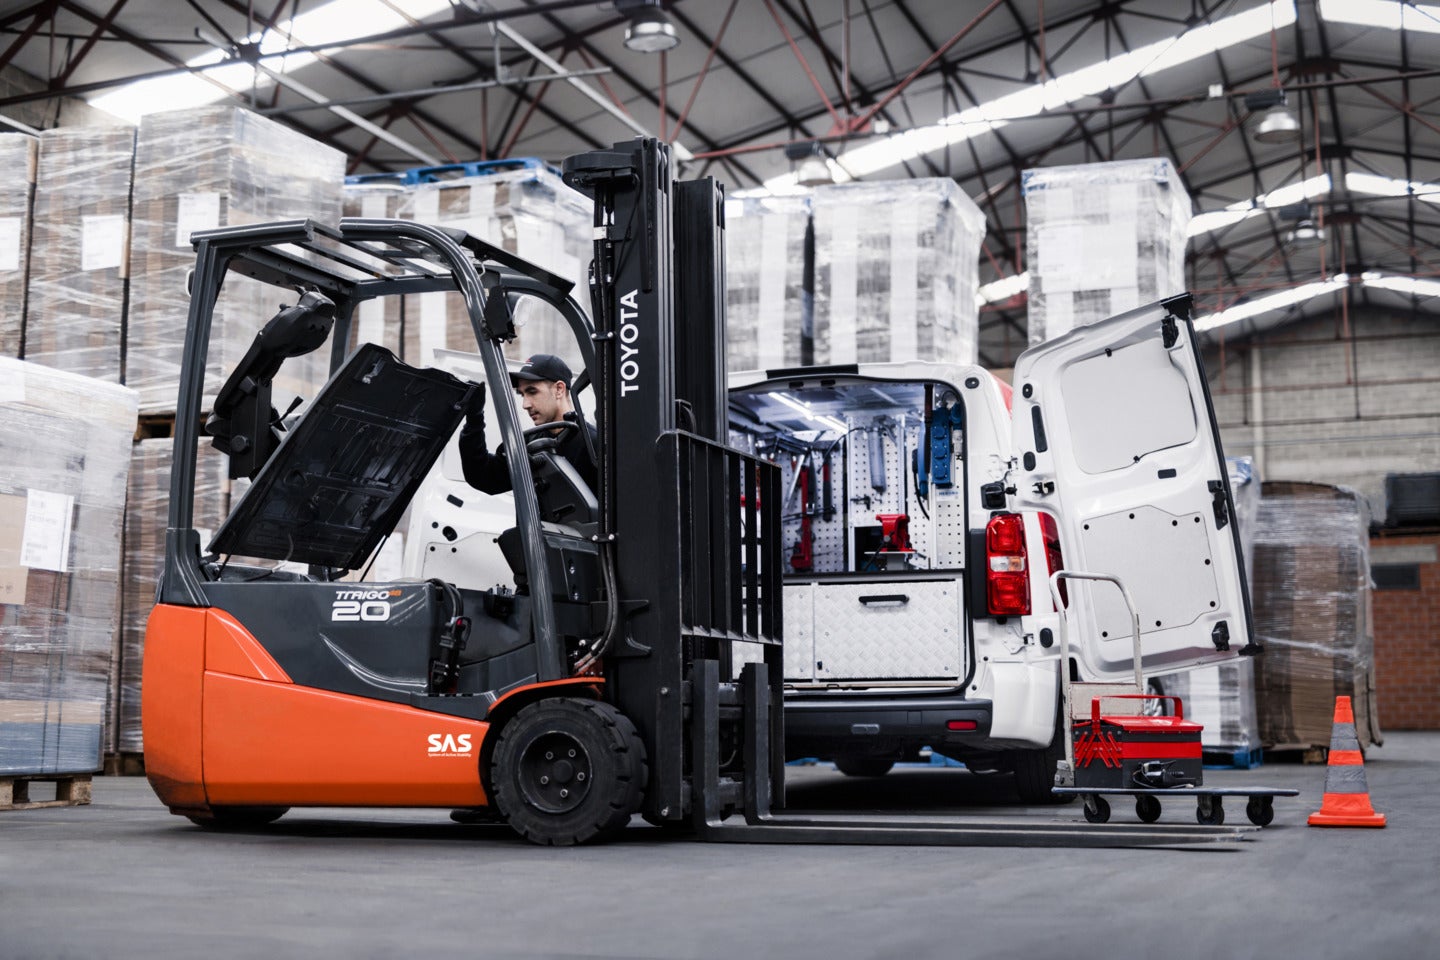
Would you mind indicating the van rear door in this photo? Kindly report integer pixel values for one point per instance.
(1115, 435)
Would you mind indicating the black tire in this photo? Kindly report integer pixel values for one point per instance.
(1213, 817)
(239, 818)
(1261, 811)
(1035, 772)
(1147, 808)
(568, 771)
(1101, 811)
(861, 766)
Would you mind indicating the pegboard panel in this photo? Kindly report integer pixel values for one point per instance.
(947, 513)
(828, 535)
(899, 495)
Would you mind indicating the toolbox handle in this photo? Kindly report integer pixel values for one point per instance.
(884, 598)
(1095, 703)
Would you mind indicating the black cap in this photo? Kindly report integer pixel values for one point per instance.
(544, 366)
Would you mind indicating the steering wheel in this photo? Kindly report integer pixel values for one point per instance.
(541, 436)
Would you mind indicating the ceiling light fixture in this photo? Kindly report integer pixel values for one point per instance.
(1279, 124)
(649, 30)
(1306, 234)
(814, 170)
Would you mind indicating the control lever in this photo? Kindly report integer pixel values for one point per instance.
(445, 669)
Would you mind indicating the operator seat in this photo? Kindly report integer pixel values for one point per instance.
(567, 507)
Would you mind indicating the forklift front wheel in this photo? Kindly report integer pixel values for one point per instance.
(566, 771)
(239, 818)
(1097, 809)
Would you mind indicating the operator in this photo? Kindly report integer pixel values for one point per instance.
(544, 386)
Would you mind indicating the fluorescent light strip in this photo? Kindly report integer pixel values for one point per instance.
(804, 410)
(1382, 14)
(1410, 286)
(1066, 89)
(333, 23)
(1003, 289)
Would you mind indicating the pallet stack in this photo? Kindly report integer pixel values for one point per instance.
(1100, 239)
(1311, 596)
(199, 169)
(377, 321)
(18, 154)
(896, 272)
(529, 212)
(769, 305)
(66, 440)
(79, 254)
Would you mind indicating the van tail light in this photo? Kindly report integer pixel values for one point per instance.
(1007, 577)
(1050, 532)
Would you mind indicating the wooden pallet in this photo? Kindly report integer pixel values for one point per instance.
(70, 790)
(125, 765)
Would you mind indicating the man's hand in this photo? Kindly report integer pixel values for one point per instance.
(475, 411)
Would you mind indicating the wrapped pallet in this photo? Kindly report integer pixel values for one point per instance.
(65, 440)
(1222, 697)
(1312, 614)
(17, 158)
(146, 514)
(1100, 239)
(377, 321)
(896, 272)
(80, 252)
(528, 211)
(199, 169)
(769, 253)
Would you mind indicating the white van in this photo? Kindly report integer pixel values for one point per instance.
(917, 609)
(926, 506)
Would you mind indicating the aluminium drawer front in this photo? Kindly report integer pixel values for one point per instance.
(799, 632)
(891, 630)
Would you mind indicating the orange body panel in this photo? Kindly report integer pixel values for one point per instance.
(229, 648)
(283, 744)
(170, 699)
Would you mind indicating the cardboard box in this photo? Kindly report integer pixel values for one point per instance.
(769, 282)
(18, 153)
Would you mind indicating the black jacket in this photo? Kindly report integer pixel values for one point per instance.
(490, 472)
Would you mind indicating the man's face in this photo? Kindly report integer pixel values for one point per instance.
(542, 400)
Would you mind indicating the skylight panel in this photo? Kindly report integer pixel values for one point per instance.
(1275, 301)
(1383, 14)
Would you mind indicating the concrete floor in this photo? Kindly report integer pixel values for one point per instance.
(124, 878)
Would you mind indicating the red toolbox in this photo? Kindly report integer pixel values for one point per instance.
(1137, 752)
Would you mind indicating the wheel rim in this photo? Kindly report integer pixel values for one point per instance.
(555, 773)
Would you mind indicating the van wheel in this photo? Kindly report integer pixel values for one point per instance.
(1035, 772)
(567, 771)
(239, 818)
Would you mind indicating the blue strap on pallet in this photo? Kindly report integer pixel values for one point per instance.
(450, 171)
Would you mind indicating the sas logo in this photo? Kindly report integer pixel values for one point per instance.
(372, 606)
(449, 744)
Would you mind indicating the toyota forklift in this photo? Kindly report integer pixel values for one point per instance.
(634, 666)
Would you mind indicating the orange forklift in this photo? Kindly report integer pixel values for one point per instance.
(634, 666)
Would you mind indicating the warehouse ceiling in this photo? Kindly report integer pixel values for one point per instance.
(884, 88)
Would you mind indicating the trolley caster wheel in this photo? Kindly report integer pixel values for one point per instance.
(1210, 812)
(1261, 811)
(1097, 809)
(1147, 808)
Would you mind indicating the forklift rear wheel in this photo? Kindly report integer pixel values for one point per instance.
(239, 818)
(567, 771)
(1261, 811)
(1147, 808)
(1097, 809)
(864, 766)
(1210, 812)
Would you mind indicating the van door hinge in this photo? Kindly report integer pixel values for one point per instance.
(1220, 503)
(1220, 636)
(1169, 331)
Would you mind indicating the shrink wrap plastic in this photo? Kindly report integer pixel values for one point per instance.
(146, 516)
(17, 158)
(529, 212)
(896, 272)
(196, 170)
(769, 311)
(80, 250)
(65, 440)
(1313, 614)
(1100, 239)
(379, 321)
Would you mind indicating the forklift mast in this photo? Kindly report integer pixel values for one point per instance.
(708, 562)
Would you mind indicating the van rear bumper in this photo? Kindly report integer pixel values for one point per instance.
(826, 727)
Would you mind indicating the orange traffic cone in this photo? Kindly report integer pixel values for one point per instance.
(1347, 798)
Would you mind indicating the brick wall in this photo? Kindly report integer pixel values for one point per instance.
(1407, 633)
